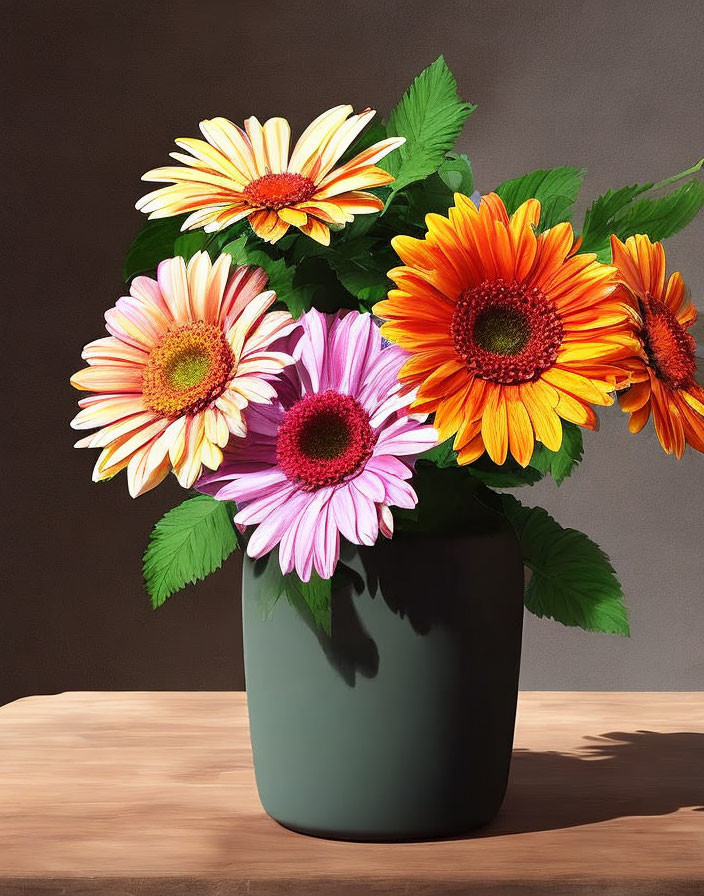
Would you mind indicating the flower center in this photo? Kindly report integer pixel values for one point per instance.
(670, 348)
(323, 439)
(506, 332)
(187, 370)
(275, 191)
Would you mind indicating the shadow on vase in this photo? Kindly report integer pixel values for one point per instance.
(618, 774)
(349, 649)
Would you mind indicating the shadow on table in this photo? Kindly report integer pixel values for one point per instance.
(618, 774)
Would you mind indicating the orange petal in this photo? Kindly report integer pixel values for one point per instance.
(520, 432)
(495, 426)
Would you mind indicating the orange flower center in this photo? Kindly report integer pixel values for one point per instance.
(506, 332)
(187, 370)
(275, 191)
(324, 438)
(670, 348)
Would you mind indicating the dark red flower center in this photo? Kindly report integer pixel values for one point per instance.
(323, 439)
(506, 332)
(669, 347)
(275, 191)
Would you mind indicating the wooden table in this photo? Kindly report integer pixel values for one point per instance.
(152, 794)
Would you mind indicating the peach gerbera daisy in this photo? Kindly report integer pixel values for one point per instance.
(249, 174)
(665, 382)
(186, 354)
(510, 331)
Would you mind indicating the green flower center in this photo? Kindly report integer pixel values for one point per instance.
(187, 369)
(504, 331)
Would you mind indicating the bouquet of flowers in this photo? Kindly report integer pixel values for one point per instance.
(344, 340)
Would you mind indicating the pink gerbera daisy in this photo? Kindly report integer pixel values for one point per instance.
(332, 454)
(187, 353)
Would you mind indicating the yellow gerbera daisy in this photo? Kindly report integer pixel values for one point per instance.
(248, 174)
(509, 330)
(664, 379)
(186, 354)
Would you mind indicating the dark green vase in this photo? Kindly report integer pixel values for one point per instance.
(398, 726)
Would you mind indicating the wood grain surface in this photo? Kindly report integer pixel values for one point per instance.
(153, 793)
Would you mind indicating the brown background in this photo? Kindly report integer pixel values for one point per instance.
(94, 94)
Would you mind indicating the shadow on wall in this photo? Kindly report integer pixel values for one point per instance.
(619, 774)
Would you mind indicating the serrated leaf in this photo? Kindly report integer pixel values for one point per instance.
(600, 217)
(561, 463)
(573, 581)
(188, 543)
(430, 116)
(618, 212)
(556, 189)
(154, 242)
(315, 595)
(297, 299)
(661, 218)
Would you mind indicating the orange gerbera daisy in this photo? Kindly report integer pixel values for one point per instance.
(665, 379)
(186, 355)
(509, 330)
(249, 174)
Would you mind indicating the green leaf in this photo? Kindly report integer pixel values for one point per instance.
(430, 116)
(509, 474)
(188, 543)
(556, 189)
(361, 267)
(366, 283)
(573, 581)
(270, 583)
(599, 221)
(297, 299)
(315, 595)
(187, 244)
(154, 242)
(436, 194)
(446, 501)
(442, 455)
(560, 464)
(659, 217)
(456, 173)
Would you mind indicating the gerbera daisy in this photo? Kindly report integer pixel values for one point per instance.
(249, 174)
(187, 353)
(510, 330)
(332, 454)
(665, 376)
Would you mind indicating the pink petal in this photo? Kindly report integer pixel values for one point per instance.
(366, 516)
(311, 351)
(388, 466)
(406, 436)
(370, 485)
(386, 520)
(265, 507)
(400, 494)
(326, 547)
(345, 514)
(173, 282)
